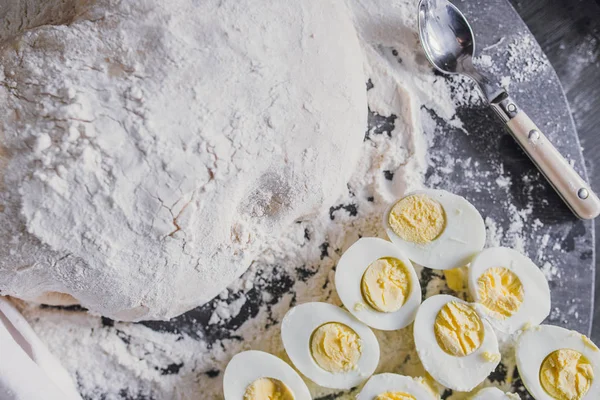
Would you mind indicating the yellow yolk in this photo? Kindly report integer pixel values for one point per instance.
(268, 389)
(395, 396)
(456, 278)
(566, 374)
(417, 219)
(430, 384)
(589, 343)
(491, 357)
(335, 347)
(385, 284)
(500, 290)
(458, 329)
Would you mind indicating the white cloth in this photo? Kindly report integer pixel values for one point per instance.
(28, 371)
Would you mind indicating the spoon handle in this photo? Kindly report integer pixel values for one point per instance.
(575, 192)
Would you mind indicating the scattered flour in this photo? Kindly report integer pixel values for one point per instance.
(551, 272)
(523, 61)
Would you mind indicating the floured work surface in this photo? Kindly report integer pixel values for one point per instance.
(467, 153)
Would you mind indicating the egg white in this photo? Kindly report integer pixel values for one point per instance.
(462, 238)
(492, 393)
(296, 329)
(535, 344)
(248, 366)
(457, 373)
(536, 292)
(382, 383)
(348, 277)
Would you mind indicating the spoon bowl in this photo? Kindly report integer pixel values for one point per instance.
(449, 43)
(446, 37)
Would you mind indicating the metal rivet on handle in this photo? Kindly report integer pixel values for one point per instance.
(583, 193)
(511, 107)
(533, 135)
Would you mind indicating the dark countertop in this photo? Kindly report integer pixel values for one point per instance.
(569, 33)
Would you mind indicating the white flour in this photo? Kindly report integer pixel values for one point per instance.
(151, 151)
(112, 360)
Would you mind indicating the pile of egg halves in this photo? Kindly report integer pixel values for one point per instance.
(455, 340)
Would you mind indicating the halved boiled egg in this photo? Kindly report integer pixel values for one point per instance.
(395, 387)
(556, 363)
(256, 375)
(509, 289)
(456, 347)
(329, 346)
(435, 228)
(492, 393)
(378, 284)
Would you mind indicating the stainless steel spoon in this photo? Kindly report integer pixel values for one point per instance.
(449, 44)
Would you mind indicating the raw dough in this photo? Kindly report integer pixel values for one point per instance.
(151, 148)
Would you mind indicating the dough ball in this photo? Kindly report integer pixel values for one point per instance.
(149, 148)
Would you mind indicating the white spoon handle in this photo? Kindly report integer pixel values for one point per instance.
(575, 192)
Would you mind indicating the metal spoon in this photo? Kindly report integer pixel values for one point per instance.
(449, 45)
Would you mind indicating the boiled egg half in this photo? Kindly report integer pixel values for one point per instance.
(329, 346)
(509, 289)
(435, 228)
(395, 387)
(456, 347)
(557, 363)
(256, 375)
(492, 393)
(378, 284)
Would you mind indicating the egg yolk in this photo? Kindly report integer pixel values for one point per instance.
(268, 389)
(458, 329)
(456, 278)
(395, 396)
(335, 347)
(417, 219)
(500, 290)
(385, 285)
(566, 374)
(491, 357)
(588, 343)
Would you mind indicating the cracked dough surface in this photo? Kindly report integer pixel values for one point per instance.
(150, 148)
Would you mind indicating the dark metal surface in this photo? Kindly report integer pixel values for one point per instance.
(569, 33)
(571, 247)
(543, 99)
